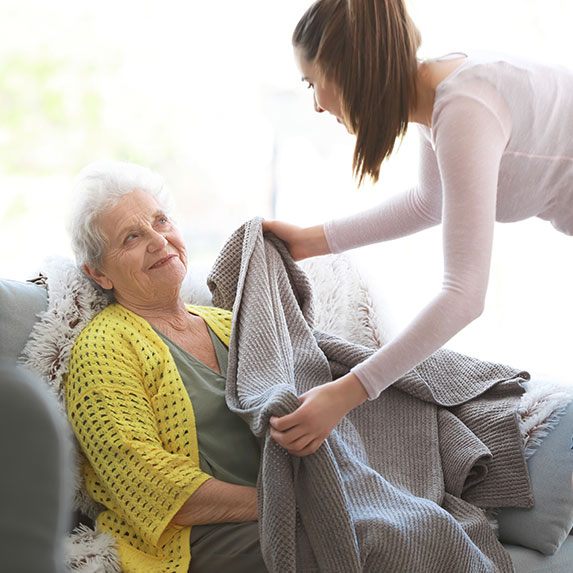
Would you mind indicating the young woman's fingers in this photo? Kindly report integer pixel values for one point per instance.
(311, 448)
(289, 438)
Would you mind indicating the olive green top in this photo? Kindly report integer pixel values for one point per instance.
(227, 449)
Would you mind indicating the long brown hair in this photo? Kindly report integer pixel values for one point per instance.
(368, 49)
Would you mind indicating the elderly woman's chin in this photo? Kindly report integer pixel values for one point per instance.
(170, 267)
(169, 271)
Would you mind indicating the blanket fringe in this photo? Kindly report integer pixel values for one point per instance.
(539, 411)
(89, 551)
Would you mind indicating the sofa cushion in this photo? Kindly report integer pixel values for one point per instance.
(20, 303)
(546, 525)
(35, 481)
(529, 561)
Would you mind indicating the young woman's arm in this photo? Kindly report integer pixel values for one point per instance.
(399, 215)
(470, 138)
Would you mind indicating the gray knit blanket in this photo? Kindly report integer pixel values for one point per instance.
(400, 482)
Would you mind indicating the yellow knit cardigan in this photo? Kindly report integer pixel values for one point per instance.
(135, 424)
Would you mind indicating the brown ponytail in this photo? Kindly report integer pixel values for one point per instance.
(368, 49)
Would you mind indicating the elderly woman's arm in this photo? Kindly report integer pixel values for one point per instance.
(218, 502)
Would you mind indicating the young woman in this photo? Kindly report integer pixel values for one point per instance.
(496, 144)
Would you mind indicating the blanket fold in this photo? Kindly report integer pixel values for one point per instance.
(390, 489)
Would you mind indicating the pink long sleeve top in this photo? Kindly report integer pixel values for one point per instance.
(500, 148)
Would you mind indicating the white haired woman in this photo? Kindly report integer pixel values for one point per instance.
(173, 467)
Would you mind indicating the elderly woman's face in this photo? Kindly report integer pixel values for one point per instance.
(145, 255)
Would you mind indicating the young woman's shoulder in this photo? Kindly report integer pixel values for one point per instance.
(473, 96)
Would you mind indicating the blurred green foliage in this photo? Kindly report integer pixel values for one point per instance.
(59, 113)
(48, 105)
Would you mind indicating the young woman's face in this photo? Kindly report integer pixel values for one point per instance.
(326, 94)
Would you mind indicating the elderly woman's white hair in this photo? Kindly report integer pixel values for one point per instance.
(99, 186)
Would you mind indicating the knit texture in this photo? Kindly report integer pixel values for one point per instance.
(135, 425)
(389, 489)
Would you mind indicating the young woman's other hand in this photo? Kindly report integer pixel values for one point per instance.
(303, 431)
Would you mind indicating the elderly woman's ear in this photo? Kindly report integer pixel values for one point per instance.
(97, 276)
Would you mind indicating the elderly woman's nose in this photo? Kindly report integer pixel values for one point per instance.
(157, 242)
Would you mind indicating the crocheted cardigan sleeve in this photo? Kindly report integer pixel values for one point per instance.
(134, 422)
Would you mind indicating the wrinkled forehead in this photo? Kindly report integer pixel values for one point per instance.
(132, 209)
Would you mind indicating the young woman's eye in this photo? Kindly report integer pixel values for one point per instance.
(309, 86)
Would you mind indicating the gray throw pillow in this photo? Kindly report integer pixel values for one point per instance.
(20, 303)
(545, 526)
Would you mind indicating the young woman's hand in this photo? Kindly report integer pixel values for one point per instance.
(302, 242)
(303, 431)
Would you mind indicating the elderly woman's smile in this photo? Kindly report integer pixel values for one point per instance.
(163, 261)
(144, 255)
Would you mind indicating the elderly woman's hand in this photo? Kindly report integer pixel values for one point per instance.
(303, 431)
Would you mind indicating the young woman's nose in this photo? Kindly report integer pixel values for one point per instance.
(317, 108)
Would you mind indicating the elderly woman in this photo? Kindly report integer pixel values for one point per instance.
(173, 467)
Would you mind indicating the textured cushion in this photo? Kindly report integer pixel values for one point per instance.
(546, 526)
(20, 302)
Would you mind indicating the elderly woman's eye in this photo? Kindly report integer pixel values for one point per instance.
(163, 221)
